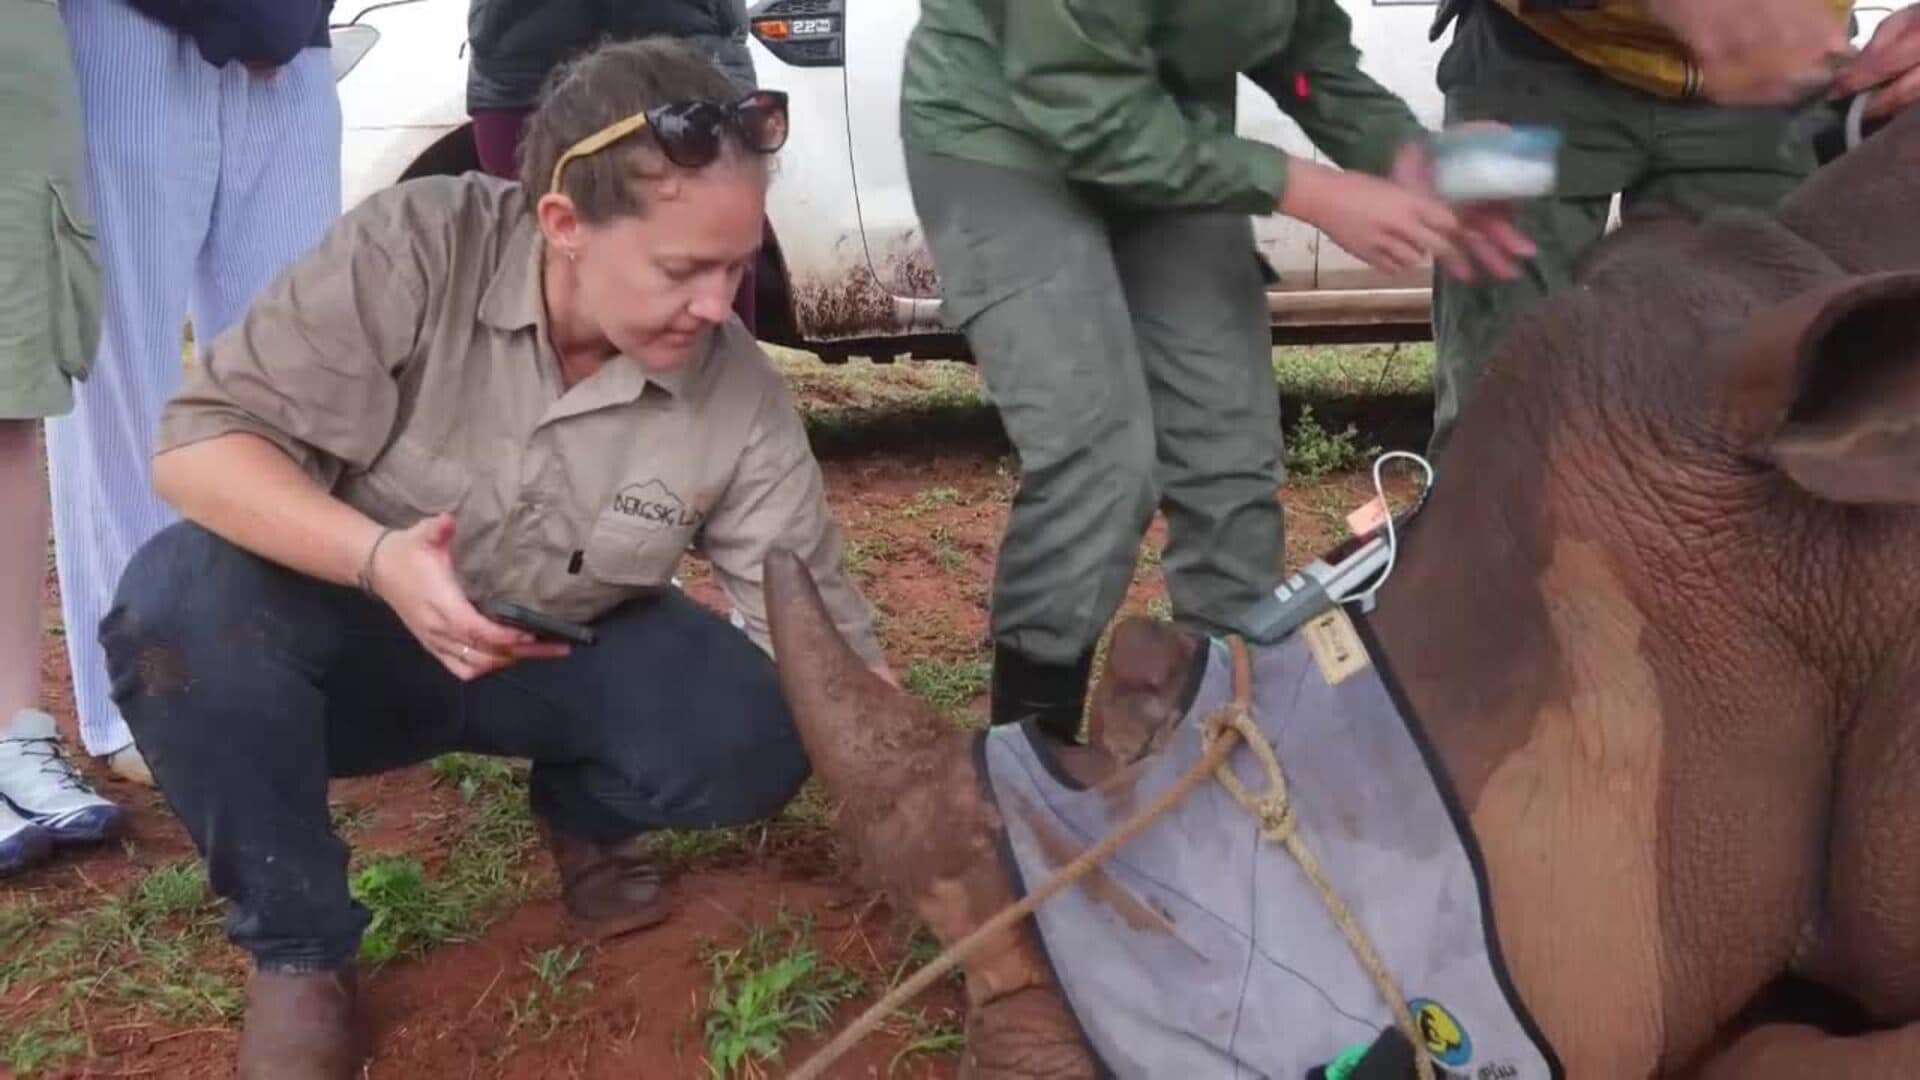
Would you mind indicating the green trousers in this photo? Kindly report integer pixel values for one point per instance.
(1129, 354)
(1651, 152)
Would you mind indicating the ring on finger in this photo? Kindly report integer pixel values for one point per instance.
(466, 652)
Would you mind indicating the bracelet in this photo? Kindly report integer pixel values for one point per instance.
(365, 577)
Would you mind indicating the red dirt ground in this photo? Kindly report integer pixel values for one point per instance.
(926, 523)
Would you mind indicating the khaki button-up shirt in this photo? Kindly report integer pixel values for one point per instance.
(405, 364)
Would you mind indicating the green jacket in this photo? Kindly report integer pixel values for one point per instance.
(1137, 96)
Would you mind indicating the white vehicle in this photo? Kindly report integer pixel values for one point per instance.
(848, 273)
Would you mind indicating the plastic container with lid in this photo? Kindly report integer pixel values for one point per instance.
(1494, 164)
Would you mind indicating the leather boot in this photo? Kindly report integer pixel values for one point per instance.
(305, 1026)
(1053, 696)
(607, 889)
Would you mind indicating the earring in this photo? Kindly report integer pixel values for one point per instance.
(573, 254)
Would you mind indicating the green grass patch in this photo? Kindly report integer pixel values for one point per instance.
(947, 554)
(488, 869)
(862, 552)
(46, 1042)
(19, 923)
(947, 685)
(854, 403)
(681, 847)
(926, 1033)
(931, 499)
(542, 1010)
(774, 986)
(1354, 371)
(154, 947)
(475, 774)
(350, 821)
(811, 809)
(172, 890)
(809, 813)
(410, 915)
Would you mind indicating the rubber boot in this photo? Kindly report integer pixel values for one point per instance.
(305, 1026)
(1052, 696)
(607, 889)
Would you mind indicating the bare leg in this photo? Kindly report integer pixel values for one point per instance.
(23, 564)
(1786, 1052)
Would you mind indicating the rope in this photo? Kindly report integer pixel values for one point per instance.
(1223, 729)
(1274, 811)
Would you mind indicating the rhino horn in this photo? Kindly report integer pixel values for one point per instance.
(911, 802)
(865, 738)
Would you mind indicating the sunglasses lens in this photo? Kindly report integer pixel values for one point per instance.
(689, 133)
(763, 120)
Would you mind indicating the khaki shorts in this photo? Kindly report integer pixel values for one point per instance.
(49, 272)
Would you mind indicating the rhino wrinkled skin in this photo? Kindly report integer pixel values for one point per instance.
(1659, 619)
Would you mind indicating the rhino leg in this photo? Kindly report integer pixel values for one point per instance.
(911, 803)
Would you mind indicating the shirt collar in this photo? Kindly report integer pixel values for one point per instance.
(622, 381)
(512, 300)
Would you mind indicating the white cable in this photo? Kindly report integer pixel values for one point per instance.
(1856, 118)
(1393, 538)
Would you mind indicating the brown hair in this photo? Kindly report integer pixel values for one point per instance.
(601, 88)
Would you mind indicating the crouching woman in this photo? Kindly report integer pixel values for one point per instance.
(477, 391)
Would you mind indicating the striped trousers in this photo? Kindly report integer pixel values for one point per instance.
(206, 183)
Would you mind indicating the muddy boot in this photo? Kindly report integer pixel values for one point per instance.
(607, 889)
(1052, 696)
(306, 1026)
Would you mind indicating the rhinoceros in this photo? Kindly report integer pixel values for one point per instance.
(1660, 619)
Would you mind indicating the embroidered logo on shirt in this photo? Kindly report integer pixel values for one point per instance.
(655, 506)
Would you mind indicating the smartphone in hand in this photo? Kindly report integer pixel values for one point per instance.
(545, 627)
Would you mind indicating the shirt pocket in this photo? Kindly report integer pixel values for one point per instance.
(50, 275)
(409, 483)
(623, 551)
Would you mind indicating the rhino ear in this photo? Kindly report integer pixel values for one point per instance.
(1849, 431)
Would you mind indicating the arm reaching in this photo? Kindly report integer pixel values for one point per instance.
(245, 490)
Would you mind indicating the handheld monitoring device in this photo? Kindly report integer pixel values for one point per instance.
(1317, 587)
(546, 627)
(1355, 577)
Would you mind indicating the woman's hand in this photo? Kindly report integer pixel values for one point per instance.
(1486, 241)
(1384, 224)
(1889, 66)
(413, 572)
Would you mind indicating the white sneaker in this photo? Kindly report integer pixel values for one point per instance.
(38, 782)
(22, 842)
(127, 764)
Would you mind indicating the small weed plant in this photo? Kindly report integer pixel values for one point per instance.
(765, 991)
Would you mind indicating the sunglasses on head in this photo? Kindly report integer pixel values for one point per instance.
(691, 133)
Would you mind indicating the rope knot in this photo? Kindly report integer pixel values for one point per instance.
(1276, 819)
(1272, 808)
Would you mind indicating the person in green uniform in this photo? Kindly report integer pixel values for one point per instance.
(1646, 101)
(1086, 202)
